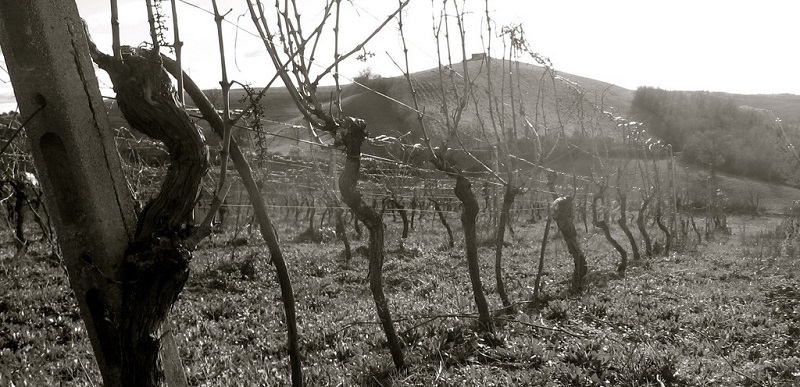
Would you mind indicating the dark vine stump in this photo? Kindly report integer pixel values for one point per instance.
(563, 215)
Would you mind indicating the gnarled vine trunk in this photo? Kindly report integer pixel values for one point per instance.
(664, 229)
(563, 214)
(602, 224)
(156, 265)
(438, 209)
(537, 284)
(623, 224)
(403, 215)
(469, 215)
(351, 133)
(648, 244)
(505, 213)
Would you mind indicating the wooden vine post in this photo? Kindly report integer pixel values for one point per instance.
(124, 290)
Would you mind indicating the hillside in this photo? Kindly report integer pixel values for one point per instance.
(784, 106)
(551, 105)
(548, 103)
(385, 103)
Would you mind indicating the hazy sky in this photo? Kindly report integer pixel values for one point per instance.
(739, 46)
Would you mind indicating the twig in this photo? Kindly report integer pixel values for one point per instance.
(115, 39)
(22, 126)
(178, 46)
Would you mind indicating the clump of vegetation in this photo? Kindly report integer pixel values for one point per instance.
(715, 132)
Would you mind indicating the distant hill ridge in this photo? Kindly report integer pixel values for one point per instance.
(377, 103)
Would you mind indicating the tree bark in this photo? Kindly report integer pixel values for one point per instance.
(145, 97)
(156, 265)
(563, 215)
(469, 214)
(350, 133)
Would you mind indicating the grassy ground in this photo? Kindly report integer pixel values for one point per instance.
(723, 313)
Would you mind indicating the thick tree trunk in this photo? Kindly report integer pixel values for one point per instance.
(156, 265)
(351, 133)
(438, 209)
(154, 279)
(144, 95)
(505, 213)
(469, 214)
(563, 215)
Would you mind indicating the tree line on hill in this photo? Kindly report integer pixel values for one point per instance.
(712, 131)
